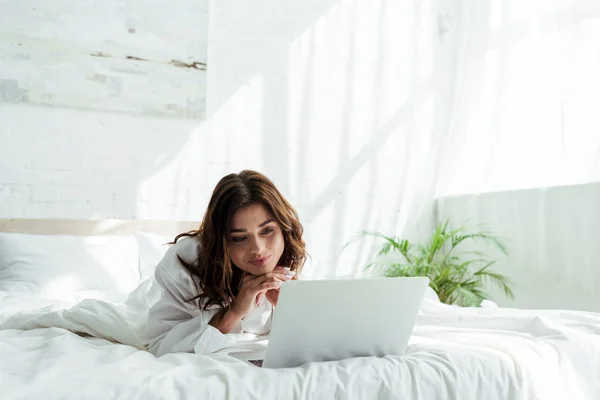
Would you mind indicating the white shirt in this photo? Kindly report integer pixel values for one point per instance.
(176, 325)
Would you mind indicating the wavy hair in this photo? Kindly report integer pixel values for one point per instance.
(218, 280)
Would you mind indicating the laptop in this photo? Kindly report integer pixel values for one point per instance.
(329, 320)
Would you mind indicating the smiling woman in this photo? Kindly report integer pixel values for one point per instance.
(225, 276)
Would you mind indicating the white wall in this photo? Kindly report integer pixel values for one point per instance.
(66, 163)
(552, 236)
(98, 115)
(335, 100)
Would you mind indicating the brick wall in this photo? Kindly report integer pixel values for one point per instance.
(66, 163)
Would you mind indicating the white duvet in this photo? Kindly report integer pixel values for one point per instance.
(92, 350)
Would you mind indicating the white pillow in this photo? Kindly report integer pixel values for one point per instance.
(152, 250)
(60, 267)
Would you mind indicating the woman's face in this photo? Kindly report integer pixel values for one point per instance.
(255, 240)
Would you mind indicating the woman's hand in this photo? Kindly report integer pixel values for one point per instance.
(252, 289)
(273, 294)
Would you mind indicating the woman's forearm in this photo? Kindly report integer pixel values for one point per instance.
(225, 321)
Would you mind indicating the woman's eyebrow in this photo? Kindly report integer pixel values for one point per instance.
(244, 230)
(266, 222)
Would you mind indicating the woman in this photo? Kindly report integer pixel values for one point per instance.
(224, 278)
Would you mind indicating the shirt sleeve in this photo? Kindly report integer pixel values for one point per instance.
(175, 324)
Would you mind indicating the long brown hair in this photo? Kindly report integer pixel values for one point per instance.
(218, 280)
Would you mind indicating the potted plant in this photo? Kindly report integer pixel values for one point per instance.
(458, 277)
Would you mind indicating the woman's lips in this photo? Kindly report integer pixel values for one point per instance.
(259, 262)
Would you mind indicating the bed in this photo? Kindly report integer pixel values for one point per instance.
(74, 296)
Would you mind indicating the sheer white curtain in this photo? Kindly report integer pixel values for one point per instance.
(527, 96)
(525, 125)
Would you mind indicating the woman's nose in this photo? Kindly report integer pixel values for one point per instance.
(257, 246)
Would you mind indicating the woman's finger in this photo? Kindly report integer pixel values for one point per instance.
(284, 270)
(259, 297)
(266, 278)
(253, 281)
(283, 275)
(270, 285)
(272, 295)
(263, 287)
(289, 272)
(258, 280)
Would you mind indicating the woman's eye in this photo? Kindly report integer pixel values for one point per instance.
(238, 239)
(268, 230)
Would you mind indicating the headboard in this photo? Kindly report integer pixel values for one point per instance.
(95, 227)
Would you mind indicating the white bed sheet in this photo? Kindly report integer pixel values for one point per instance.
(455, 353)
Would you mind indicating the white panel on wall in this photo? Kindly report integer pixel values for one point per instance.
(143, 57)
(552, 237)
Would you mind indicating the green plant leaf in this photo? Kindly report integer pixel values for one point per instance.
(497, 279)
(458, 277)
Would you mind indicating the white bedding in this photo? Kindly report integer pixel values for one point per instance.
(455, 353)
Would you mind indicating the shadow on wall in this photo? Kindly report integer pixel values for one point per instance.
(248, 30)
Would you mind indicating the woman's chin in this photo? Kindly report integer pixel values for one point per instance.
(257, 271)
